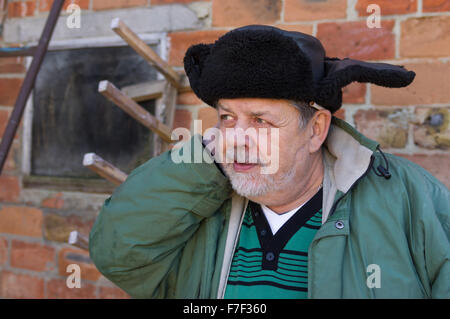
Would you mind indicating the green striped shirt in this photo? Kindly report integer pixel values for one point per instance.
(274, 266)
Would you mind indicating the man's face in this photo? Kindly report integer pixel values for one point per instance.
(268, 118)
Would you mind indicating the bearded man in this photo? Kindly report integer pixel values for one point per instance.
(336, 218)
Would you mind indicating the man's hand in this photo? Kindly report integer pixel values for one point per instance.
(212, 146)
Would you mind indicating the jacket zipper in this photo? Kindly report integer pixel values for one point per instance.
(333, 208)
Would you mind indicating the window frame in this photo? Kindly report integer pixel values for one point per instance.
(73, 183)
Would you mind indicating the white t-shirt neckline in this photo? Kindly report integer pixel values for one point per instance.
(276, 221)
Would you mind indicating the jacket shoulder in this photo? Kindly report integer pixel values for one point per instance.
(413, 170)
(410, 190)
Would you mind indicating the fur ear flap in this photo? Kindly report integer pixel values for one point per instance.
(194, 61)
(339, 73)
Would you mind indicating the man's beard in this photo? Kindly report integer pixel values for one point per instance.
(256, 184)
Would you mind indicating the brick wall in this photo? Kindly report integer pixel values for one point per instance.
(412, 122)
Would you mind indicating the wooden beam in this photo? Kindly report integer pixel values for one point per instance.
(169, 99)
(185, 86)
(136, 111)
(104, 169)
(153, 90)
(145, 51)
(145, 91)
(78, 240)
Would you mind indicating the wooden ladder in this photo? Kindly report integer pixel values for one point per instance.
(164, 91)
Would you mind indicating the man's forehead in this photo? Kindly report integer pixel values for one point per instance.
(254, 106)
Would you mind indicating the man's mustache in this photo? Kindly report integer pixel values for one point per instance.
(242, 155)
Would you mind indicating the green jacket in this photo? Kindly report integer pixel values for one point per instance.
(169, 230)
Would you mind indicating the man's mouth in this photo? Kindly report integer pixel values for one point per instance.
(242, 167)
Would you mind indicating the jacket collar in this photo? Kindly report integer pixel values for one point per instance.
(350, 153)
(346, 157)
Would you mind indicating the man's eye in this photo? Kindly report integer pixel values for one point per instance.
(260, 121)
(226, 117)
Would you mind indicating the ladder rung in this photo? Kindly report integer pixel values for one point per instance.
(78, 240)
(104, 169)
(136, 111)
(145, 91)
(145, 51)
(185, 86)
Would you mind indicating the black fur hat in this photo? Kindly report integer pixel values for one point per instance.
(267, 62)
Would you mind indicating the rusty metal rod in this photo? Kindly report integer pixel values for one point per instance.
(28, 82)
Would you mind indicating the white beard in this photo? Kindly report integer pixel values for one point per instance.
(256, 184)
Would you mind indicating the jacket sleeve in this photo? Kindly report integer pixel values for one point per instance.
(430, 201)
(437, 241)
(138, 237)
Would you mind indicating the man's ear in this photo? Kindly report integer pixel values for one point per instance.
(318, 128)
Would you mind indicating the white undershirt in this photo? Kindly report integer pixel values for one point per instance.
(276, 221)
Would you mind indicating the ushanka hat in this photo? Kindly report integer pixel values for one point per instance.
(266, 62)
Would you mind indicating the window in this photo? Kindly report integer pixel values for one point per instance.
(70, 118)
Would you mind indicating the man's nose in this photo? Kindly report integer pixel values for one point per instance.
(243, 139)
(241, 135)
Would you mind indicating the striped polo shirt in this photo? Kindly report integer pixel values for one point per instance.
(271, 266)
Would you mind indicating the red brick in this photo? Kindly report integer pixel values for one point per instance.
(303, 28)
(112, 293)
(156, 2)
(46, 5)
(181, 41)
(208, 116)
(9, 90)
(3, 252)
(9, 188)
(302, 10)
(12, 65)
(115, 4)
(57, 289)
(53, 201)
(19, 220)
(188, 98)
(382, 126)
(243, 12)
(12, 164)
(21, 9)
(437, 164)
(354, 93)
(21, 286)
(425, 37)
(435, 5)
(4, 118)
(427, 87)
(355, 40)
(182, 118)
(32, 256)
(80, 257)
(83, 4)
(340, 114)
(387, 6)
